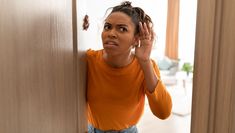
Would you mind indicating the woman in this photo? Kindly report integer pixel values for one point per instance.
(119, 79)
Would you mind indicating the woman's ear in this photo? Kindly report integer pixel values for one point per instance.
(136, 41)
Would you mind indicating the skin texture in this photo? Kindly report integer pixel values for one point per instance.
(118, 39)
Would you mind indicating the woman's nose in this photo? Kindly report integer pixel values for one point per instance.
(112, 33)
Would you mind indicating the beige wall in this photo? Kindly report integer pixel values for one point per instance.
(38, 91)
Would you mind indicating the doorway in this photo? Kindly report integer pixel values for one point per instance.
(178, 84)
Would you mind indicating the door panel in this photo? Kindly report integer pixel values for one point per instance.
(214, 74)
(37, 72)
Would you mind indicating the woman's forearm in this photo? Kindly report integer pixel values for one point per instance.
(151, 78)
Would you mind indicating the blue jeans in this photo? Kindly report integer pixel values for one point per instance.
(131, 129)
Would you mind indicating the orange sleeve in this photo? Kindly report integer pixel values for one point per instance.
(160, 100)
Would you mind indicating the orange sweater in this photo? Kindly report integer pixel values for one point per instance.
(116, 96)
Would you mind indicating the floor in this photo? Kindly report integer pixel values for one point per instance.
(180, 119)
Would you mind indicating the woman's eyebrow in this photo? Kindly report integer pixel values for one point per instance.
(124, 25)
(118, 25)
(107, 23)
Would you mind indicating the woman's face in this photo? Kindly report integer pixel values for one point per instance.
(118, 34)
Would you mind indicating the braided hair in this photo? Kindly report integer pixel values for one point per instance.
(135, 13)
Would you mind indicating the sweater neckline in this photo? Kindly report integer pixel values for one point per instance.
(117, 69)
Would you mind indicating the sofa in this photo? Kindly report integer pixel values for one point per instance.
(168, 69)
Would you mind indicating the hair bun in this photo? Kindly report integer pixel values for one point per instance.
(126, 4)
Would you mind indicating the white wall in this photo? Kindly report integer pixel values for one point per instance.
(187, 27)
(96, 11)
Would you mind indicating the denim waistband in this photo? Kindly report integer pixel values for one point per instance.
(132, 129)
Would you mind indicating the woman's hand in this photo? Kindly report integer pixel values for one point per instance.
(143, 50)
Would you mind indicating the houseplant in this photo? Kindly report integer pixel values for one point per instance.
(187, 67)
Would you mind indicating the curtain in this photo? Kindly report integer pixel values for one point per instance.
(171, 49)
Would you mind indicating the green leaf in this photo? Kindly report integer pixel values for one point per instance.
(187, 67)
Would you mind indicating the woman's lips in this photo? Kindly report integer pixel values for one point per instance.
(110, 44)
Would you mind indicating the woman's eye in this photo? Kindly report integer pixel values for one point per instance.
(123, 29)
(106, 27)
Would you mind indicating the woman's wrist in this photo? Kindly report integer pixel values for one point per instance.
(149, 74)
(145, 64)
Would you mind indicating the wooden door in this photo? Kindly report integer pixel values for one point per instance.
(213, 109)
(38, 70)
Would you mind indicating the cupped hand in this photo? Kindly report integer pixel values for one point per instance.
(146, 37)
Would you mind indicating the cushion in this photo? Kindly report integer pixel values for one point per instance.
(165, 63)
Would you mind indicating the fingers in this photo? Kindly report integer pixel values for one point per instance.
(141, 29)
(145, 31)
